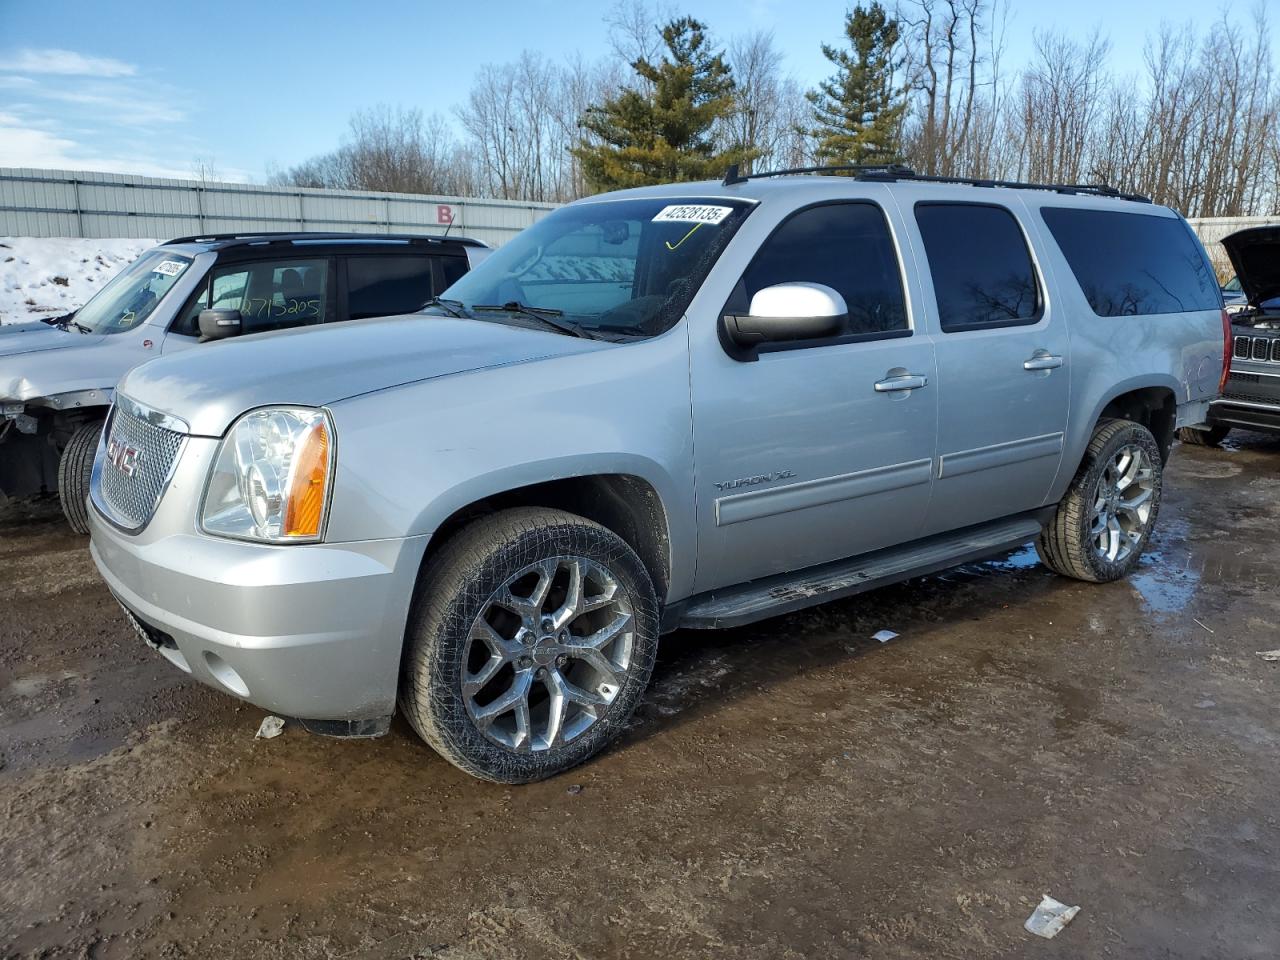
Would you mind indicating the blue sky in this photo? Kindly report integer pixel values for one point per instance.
(153, 88)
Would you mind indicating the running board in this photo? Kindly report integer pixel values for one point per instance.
(787, 592)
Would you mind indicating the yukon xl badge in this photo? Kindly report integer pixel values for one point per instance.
(757, 479)
(124, 458)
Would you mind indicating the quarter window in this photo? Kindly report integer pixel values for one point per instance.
(381, 286)
(1133, 263)
(845, 246)
(981, 268)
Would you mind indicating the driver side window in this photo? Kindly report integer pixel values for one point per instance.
(845, 246)
(271, 295)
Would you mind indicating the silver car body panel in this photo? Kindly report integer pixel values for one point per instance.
(313, 366)
(65, 361)
(761, 467)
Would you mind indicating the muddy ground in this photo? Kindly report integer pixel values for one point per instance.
(792, 789)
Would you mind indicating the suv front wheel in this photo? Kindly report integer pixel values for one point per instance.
(1104, 522)
(531, 640)
(74, 469)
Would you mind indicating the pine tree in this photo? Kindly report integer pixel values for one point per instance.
(859, 109)
(663, 131)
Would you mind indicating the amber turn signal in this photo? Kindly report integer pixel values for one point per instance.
(304, 507)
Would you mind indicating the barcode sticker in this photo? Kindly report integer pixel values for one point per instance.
(170, 268)
(692, 213)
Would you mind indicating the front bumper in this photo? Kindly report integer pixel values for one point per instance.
(1252, 415)
(310, 631)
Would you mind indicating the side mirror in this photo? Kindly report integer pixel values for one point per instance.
(789, 311)
(220, 324)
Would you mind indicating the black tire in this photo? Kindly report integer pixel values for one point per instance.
(1066, 545)
(74, 469)
(1208, 437)
(460, 583)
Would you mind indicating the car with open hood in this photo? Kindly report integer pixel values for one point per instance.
(58, 375)
(694, 405)
(1251, 394)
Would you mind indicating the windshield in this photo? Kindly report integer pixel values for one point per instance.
(1232, 285)
(613, 269)
(130, 297)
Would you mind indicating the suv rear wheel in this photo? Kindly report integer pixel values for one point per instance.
(74, 469)
(531, 640)
(1104, 522)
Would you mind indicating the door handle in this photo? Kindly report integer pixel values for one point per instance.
(907, 382)
(1042, 362)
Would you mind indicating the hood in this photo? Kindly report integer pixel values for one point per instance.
(1255, 253)
(210, 385)
(42, 361)
(17, 338)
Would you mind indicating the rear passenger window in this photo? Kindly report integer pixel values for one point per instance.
(845, 246)
(1133, 263)
(981, 268)
(381, 286)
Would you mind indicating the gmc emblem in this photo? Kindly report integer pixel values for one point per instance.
(123, 458)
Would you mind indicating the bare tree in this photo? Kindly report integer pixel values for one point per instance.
(770, 114)
(522, 117)
(944, 44)
(388, 149)
(1060, 107)
(635, 30)
(1198, 128)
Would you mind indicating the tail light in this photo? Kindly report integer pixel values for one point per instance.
(1226, 352)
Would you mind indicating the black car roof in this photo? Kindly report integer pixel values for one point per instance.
(224, 241)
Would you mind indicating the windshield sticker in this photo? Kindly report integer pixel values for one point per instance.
(170, 268)
(692, 213)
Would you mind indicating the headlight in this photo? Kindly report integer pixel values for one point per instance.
(271, 478)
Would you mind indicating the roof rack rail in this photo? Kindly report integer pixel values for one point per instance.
(896, 171)
(291, 236)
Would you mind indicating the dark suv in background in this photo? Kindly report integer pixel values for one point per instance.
(58, 376)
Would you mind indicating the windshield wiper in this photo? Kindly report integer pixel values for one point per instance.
(65, 321)
(454, 308)
(545, 315)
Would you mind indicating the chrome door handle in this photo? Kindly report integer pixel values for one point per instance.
(894, 384)
(1043, 362)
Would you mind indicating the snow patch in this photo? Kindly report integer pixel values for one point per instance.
(49, 276)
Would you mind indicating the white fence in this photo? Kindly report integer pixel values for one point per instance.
(1211, 230)
(62, 203)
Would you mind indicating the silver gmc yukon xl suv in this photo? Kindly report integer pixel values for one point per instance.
(696, 405)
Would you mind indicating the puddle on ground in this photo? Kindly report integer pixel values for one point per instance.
(1024, 558)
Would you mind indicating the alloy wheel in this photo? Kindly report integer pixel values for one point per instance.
(548, 654)
(1122, 504)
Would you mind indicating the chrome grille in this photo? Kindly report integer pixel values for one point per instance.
(139, 458)
(1244, 397)
(1260, 349)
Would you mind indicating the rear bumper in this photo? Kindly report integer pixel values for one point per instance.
(308, 631)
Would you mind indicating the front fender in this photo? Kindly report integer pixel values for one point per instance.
(409, 457)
